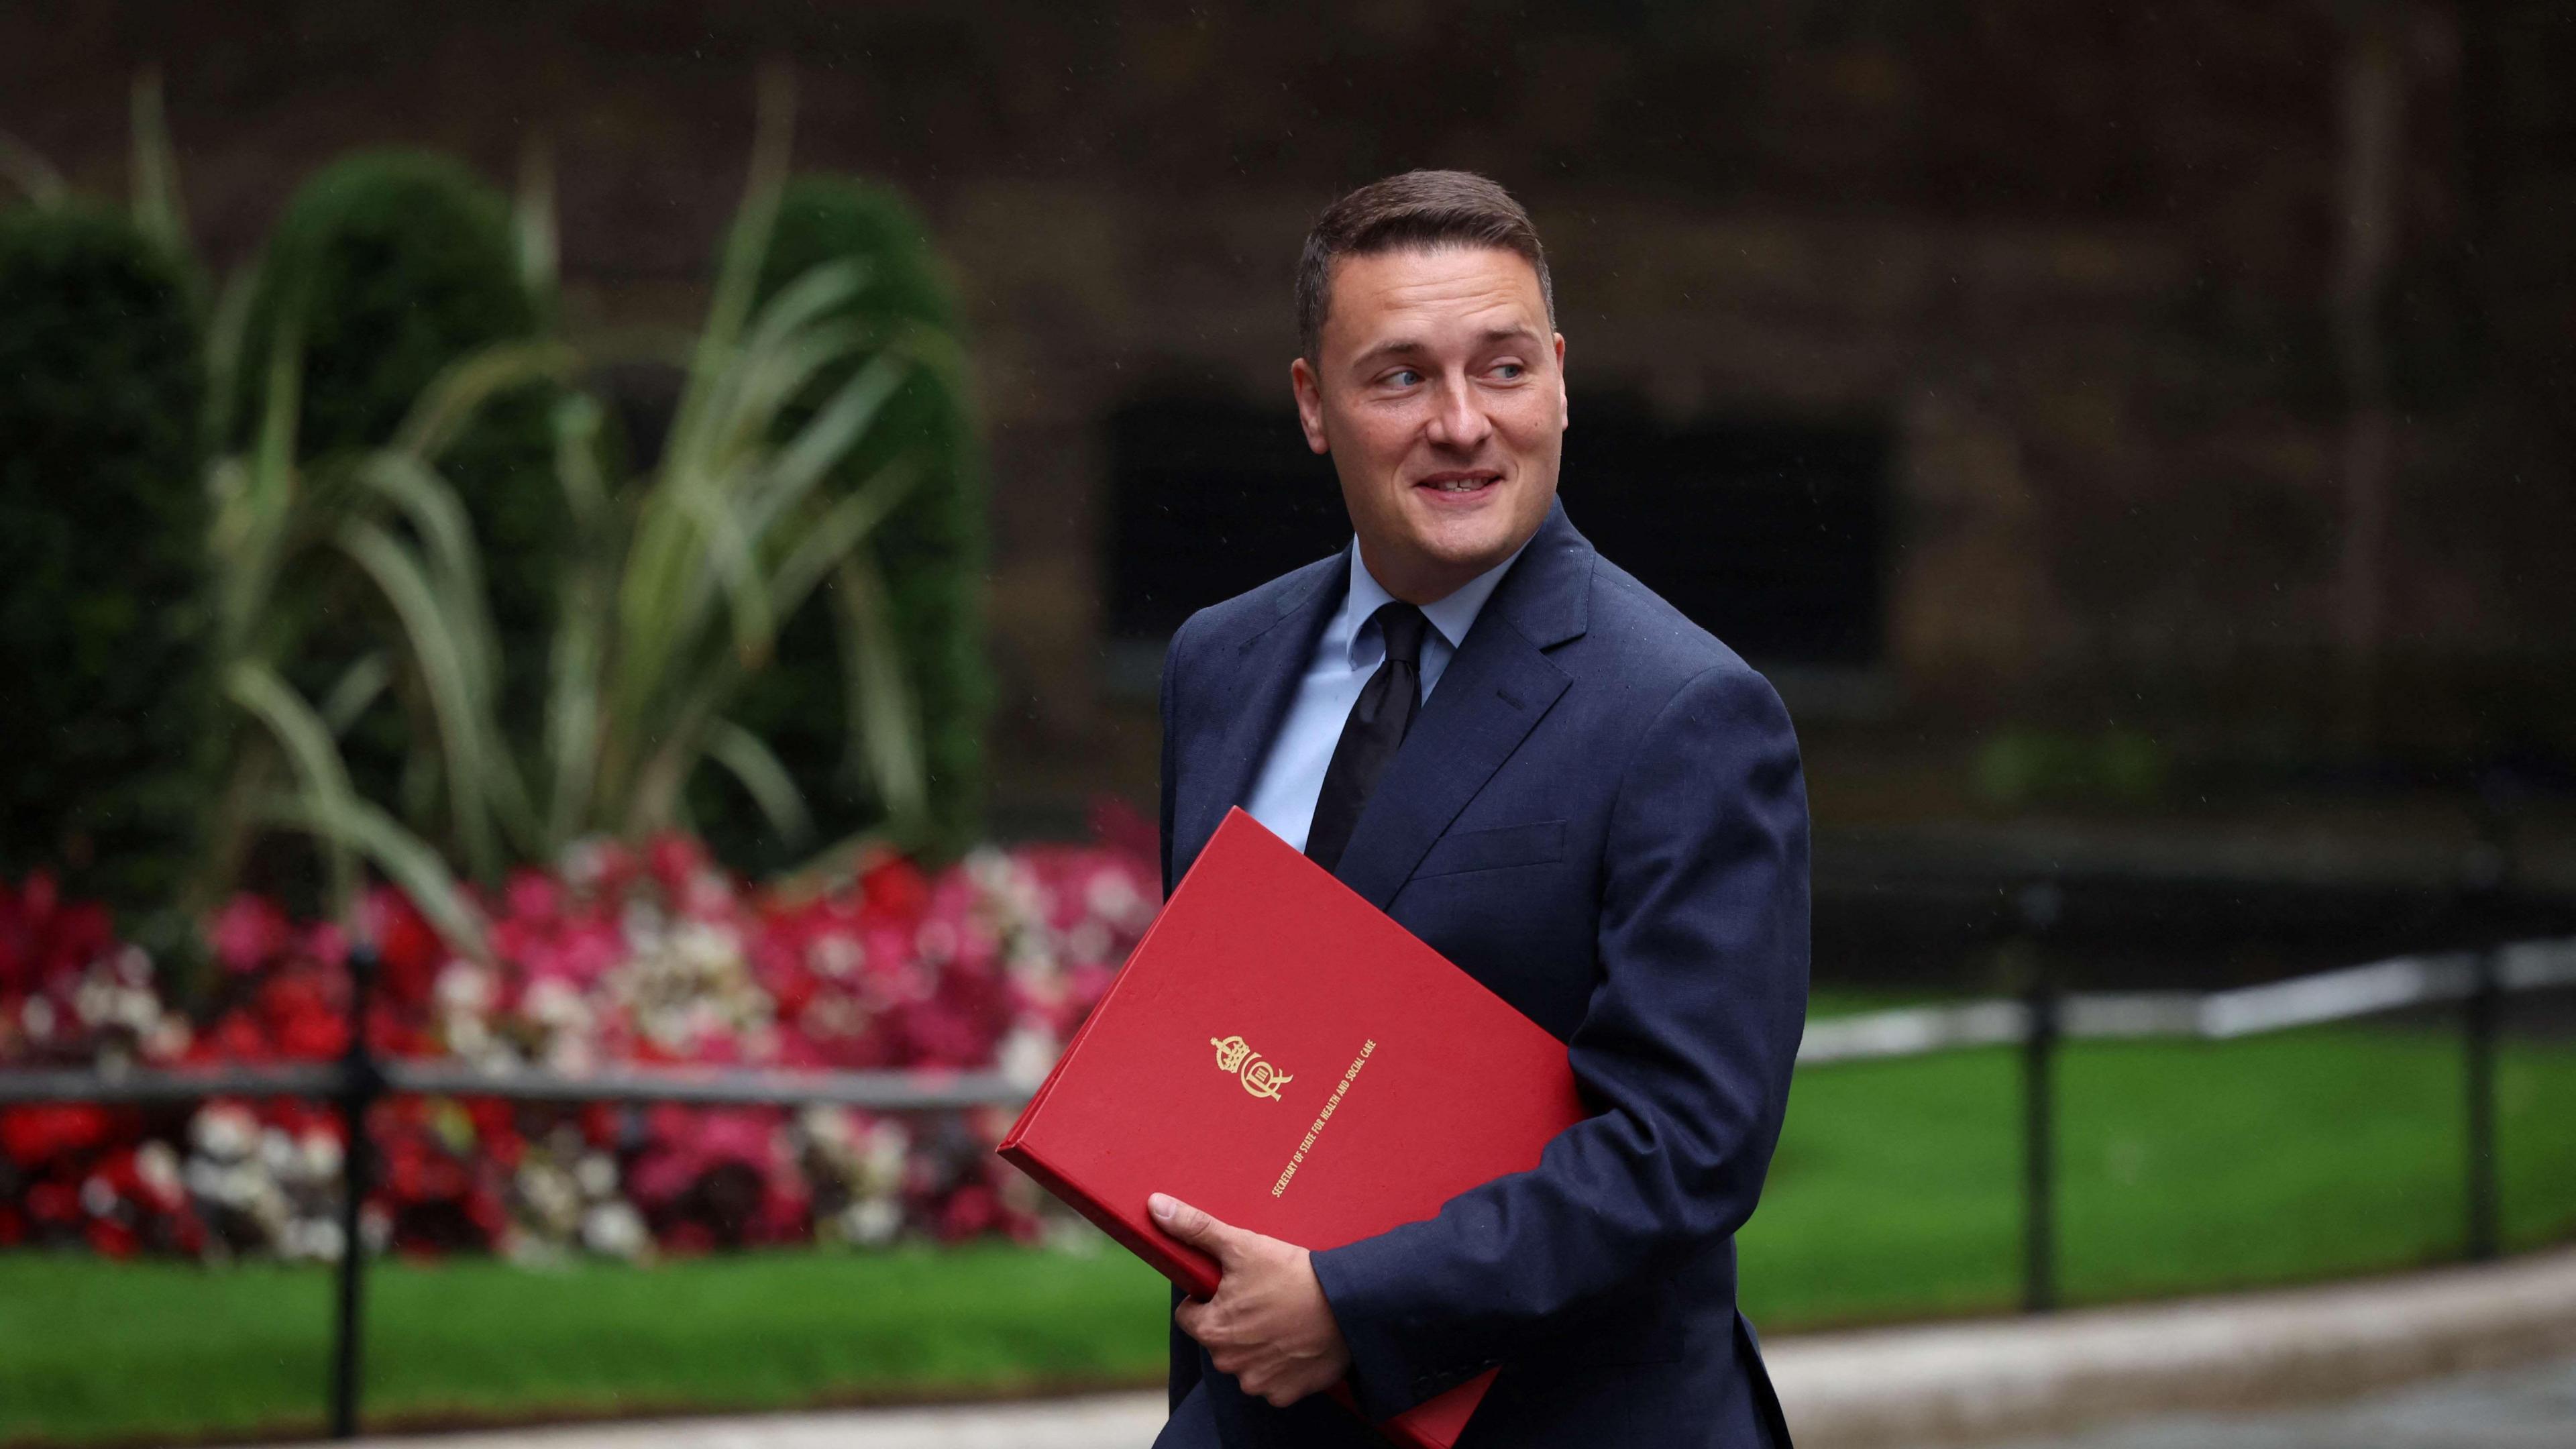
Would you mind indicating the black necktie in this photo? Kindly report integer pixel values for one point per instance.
(1369, 737)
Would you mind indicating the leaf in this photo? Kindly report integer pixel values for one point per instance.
(746, 246)
(160, 211)
(762, 777)
(465, 385)
(576, 421)
(406, 860)
(357, 689)
(841, 529)
(572, 710)
(28, 170)
(535, 244)
(314, 756)
(437, 513)
(826, 439)
(885, 719)
(461, 703)
(225, 329)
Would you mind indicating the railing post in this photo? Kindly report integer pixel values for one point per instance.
(2485, 878)
(2481, 1020)
(2039, 906)
(360, 1084)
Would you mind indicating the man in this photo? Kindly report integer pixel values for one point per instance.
(1540, 768)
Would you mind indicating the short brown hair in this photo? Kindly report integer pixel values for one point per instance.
(1417, 209)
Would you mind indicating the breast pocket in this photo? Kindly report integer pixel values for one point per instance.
(1494, 849)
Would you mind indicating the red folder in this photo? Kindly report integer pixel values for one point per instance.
(1281, 1053)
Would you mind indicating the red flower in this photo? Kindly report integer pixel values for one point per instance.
(34, 1136)
(895, 890)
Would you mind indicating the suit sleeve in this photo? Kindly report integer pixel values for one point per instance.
(1684, 1051)
(1184, 1349)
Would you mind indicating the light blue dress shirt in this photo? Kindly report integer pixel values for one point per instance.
(1352, 647)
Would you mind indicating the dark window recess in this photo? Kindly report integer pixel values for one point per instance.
(1770, 534)
(1211, 499)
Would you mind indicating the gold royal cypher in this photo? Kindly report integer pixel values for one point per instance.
(1258, 1076)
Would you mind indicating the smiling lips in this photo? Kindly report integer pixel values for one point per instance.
(1457, 483)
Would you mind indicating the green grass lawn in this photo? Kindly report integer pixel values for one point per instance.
(2184, 1167)
(145, 1351)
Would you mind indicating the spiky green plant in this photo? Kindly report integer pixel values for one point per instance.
(389, 268)
(671, 593)
(929, 552)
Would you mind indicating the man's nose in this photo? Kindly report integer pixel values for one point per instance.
(1458, 421)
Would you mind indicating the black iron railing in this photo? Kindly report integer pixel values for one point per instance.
(2036, 1022)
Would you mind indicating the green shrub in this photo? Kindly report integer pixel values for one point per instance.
(929, 551)
(103, 759)
(392, 266)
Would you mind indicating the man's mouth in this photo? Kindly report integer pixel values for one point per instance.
(1455, 483)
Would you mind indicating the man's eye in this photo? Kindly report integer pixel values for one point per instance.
(1404, 377)
(1509, 371)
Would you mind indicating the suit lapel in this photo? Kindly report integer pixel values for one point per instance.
(1262, 673)
(1492, 695)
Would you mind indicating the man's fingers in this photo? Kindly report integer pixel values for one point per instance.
(1191, 1225)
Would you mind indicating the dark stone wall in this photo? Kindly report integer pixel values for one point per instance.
(2086, 265)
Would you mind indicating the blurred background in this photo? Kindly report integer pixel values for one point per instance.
(579, 540)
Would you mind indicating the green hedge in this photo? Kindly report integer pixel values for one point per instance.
(398, 265)
(930, 550)
(103, 737)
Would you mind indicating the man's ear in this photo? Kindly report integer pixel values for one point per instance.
(1310, 405)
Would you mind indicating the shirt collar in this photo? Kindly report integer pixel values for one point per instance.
(1452, 616)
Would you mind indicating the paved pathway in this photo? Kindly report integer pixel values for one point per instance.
(2156, 1376)
(1109, 1421)
(2532, 1408)
(1990, 1382)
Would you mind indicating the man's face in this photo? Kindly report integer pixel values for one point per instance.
(1440, 394)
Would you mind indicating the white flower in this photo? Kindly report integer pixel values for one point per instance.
(888, 1149)
(872, 1221)
(168, 1038)
(571, 1055)
(464, 988)
(556, 1004)
(225, 1131)
(1112, 897)
(614, 1230)
(157, 1165)
(277, 1152)
(94, 999)
(137, 1010)
(467, 1036)
(1088, 941)
(551, 1194)
(321, 1156)
(1027, 1055)
(315, 1238)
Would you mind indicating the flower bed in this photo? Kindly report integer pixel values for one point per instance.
(616, 957)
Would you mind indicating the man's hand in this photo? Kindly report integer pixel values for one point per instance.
(1268, 1324)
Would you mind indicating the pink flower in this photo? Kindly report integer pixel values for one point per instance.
(247, 932)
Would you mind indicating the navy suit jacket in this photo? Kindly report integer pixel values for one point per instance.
(1599, 814)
